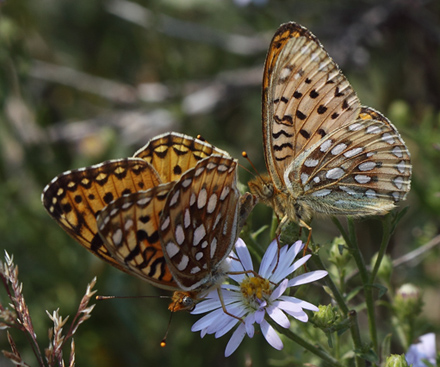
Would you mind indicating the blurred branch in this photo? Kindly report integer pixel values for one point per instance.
(417, 253)
(134, 127)
(234, 43)
(64, 75)
(204, 97)
(414, 256)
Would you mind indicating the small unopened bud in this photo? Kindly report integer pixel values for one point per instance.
(408, 302)
(325, 317)
(339, 255)
(394, 360)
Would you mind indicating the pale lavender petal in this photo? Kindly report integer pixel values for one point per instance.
(244, 255)
(268, 259)
(212, 301)
(282, 269)
(300, 302)
(232, 287)
(287, 306)
(236, 267)
(295, 248)
(279, 291)
(259, 315)
(299, 315)
(424, 349)
(249, 324)
(229, 323)
(224, 329)
(271, 336)
(206, 306)
(278, 316)
(297, 264)
(307, 278)
(236, 339)
(207, 320)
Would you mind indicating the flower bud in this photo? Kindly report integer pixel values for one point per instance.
(339, 255)
(395, 360)
(325, 317)
(408, 302)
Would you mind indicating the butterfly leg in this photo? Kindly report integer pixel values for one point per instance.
(220, 296)
(282, 223)
(305, 225)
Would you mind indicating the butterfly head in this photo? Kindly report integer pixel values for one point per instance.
(286, 206)
(263, 188)
(182, 301)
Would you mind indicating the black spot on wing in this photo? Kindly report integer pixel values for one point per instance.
(281, 132)
(304, 133)
(313, 94)
(277, 148)
(300, 115)
(321, 109)
(108, 197)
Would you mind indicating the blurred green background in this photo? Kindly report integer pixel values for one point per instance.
(86, 81)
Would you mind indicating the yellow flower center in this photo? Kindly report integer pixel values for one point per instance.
(255, 291)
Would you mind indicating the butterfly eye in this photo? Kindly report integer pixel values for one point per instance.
(188, 303)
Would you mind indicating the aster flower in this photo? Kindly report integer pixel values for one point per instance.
(421, 351)
(252, 297)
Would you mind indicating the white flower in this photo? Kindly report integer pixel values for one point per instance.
(255, 296)
(424, 350)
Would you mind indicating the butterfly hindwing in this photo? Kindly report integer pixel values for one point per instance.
(199, 224)
(360, 169)
(129, 227)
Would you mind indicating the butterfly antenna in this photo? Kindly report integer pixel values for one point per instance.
(257, 173)
(163, 342)
(104, 298)
(200, 137)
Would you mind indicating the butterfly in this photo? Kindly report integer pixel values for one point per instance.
(88, 203)
(325, 152)
(193, 224)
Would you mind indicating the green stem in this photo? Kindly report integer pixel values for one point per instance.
(334, 289)
(356, 335)
(368, 289)
(386, 234)
(337, 296)
(274, 226)
(331, 361)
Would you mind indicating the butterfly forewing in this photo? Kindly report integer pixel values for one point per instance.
(305, 97)
(199, 224)
(130, 229)
(76, 197)
(172, 154)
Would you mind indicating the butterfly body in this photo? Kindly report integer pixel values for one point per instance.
(324, 151)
